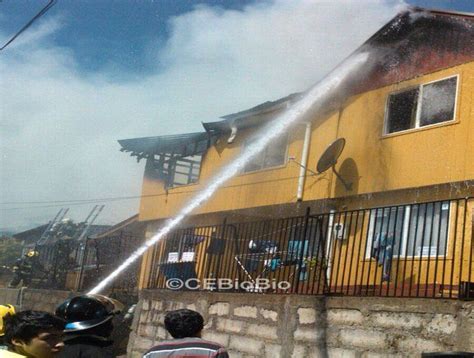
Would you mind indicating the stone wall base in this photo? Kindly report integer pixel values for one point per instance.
(306, 326)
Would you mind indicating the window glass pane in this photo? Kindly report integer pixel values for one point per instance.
(402, 110)
(386, 229)
(428, 230)
(438, 102)
(275, 154)
(255, 164)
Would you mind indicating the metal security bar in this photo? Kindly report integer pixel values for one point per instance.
(412, 250)
(103, 255)
(73, 265)
(55, 261)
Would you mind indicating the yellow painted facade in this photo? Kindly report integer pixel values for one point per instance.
(373, 162)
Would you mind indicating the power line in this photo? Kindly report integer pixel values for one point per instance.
(56, 203)
(36, 17)
(86, 201)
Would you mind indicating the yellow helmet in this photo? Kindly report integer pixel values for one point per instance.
(32, 253)
(4, 310)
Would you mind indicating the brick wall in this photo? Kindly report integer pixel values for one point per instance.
(305, 326)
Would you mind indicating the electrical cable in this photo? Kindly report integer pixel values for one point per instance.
(37, 16)
(120, 198)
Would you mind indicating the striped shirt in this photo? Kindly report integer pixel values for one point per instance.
(190, 347)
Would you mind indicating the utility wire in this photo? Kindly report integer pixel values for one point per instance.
(36, 17)
(119, 198)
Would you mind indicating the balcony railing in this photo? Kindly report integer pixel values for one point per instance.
(413, 250)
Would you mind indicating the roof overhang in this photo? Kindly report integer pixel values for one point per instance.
(251, 117)
(179, 145)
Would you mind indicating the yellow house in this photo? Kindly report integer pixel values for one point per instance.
(372, 195)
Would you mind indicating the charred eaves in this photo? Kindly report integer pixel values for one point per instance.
(175, 159)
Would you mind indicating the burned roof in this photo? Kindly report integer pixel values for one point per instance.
(182, 145)
(415, 42)
(250, 117)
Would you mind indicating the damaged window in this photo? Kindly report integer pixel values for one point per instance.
(425, 105)
(183, 171)
(273, 156)
(402, 110)
(176, 170)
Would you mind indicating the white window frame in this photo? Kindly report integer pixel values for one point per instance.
(419, 105)
(285, 161)
(405, 234)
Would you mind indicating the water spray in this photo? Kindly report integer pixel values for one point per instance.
(324, 89)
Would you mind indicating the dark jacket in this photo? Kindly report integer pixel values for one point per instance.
(82, 346)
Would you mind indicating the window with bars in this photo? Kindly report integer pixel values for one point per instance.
(418, 230)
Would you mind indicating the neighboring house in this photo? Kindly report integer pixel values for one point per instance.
(399, 223)
(60, 251)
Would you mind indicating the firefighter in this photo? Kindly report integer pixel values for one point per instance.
(89, 326)
(24, 267)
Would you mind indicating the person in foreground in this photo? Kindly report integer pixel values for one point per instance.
(89, 326)
(5, 310)
(185, 326)
(33, 334)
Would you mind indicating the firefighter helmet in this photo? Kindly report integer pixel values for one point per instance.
(32, 253)
(87, 311)
(5, 310)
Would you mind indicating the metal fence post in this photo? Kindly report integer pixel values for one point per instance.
(80, 278)
(302, 249)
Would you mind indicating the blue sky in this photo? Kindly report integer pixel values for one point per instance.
(111, 33)
(91, 72)
(116, 34)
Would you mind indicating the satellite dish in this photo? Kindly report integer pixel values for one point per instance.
(329, 159)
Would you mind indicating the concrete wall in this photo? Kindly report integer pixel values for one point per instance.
(33, 299)
(305, 326)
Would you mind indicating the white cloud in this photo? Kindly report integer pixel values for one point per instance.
(60, 125)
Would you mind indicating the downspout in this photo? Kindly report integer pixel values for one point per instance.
(304, 161)
(329, 247)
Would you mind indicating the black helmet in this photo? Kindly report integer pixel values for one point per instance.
(87, 311)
